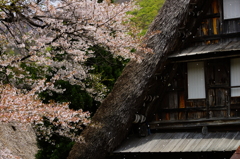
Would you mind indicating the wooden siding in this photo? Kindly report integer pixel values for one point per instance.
(214, 26)
(217, 104)
(216, 41)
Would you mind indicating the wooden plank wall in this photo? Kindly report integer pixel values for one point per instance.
(217, 104)
(213, 26)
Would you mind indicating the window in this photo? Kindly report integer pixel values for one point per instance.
(196, 80)
(235, 77)
(231, 9)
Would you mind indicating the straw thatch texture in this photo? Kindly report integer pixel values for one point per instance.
(113, 119)
(21, 141)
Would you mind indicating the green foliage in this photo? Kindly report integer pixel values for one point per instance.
(59, 149)
(9, 5)
(78, 98)
(20, 75)
(35, 71)
(144, 17)
(107, 66)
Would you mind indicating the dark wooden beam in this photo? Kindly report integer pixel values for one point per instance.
(216, 37)
(216, 15)
(193, 109)
(194, 123)
(205, 56)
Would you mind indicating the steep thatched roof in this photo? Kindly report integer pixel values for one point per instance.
(114, 117)
(17, 140)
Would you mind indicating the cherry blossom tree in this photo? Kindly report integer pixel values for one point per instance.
(60, 35)
(26, 108)
(56, 37)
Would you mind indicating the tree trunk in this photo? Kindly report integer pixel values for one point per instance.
(111, 122)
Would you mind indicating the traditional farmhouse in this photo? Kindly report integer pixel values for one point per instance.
(193, 108)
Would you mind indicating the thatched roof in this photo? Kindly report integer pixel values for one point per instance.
(17, 140)
(114, 117)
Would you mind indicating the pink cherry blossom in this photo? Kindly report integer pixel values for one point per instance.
(36, 32)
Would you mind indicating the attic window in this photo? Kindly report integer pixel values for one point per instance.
(231, 9)
(235, 77)
(196, 80)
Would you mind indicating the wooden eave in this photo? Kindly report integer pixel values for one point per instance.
(205, 52)
(187, 124)
(174, 142)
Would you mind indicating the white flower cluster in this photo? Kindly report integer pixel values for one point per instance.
(57, 37)
(69, 28)
(24, 108)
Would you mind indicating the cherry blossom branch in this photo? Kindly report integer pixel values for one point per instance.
(16, 106)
